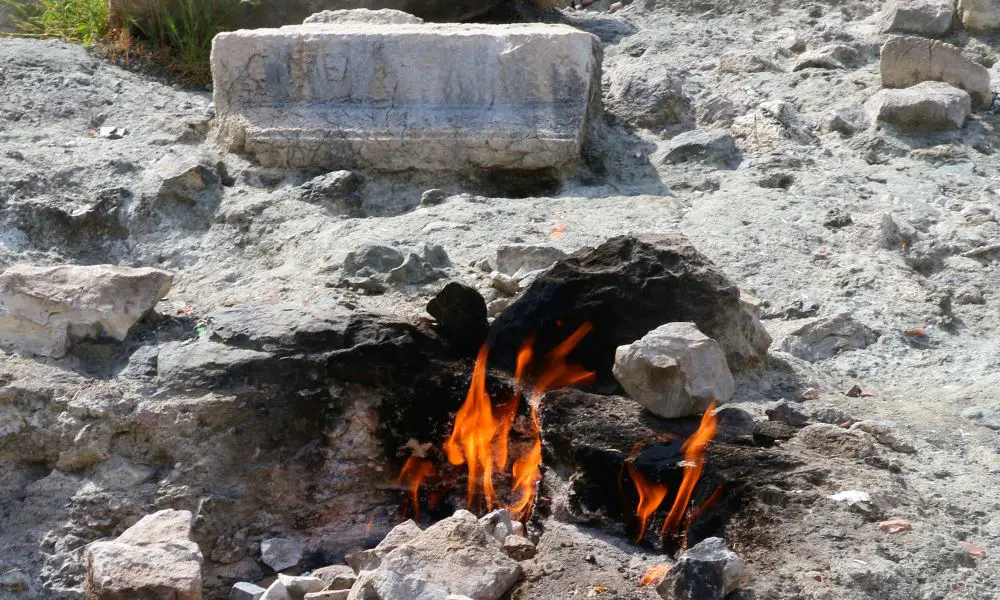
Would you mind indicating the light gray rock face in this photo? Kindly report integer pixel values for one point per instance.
(281, 553)
(523, 258)
(931, 18)
(246, 591)
(674, 371)
(822, 338)
(154, 558)
(928, 105)
(981, 16)
(289, 587)
(830, 56)
(383, 16)
(374, 266)
(833, 440)
(709, 146)
(647, 96)
(707, 571)
(369, 560)
(907, 61)
(42, 309)
(745, 62)
(350, 95)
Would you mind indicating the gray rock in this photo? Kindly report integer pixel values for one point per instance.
(786, 412)
(982, 16)
(831, 440)
(983, 416)
(928, 105)
(701, 146)
(246, 591)
(674, 371)
(907, 61)
(886, 434)
(733, 423)
(831, 56)
(930, 18)
(707, 571)
(646, 96)
(832, 416)
(848, 120)
(823, 338)
(519, 548)
(745, 62)
(383, 16)
(183, 175)
(338, 192)
(773, 125)
(498, 524)
(522, 258)
(369, 560)
(336, 577)
(373, 266)
(281, 553)
(715, 110)
(433, 197)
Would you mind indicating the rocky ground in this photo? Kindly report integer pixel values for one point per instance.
(813, 216)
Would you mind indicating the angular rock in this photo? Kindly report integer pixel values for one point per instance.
(773, 124)
(701, 146)
(498, 524)
(981, 16)
(831, 56)
(907, 61)
(709, 570)
(383, 16)
(336, 577)
(820, 339)
(744, 62)
(159, 528)
(517, 97)
(374, 266)
(522, 258)
(369, 560)
(184, 175)
(674, 371)
(289, 587)
(929, 18)
(786, 412)
(338, 192)
(281, 553)
(848, 120)
(625, 288)
(519, 548)
(929, 105)
(647, 95)
(246, 591)
(886, 434)
(460, 312)
(831, 440)
(42, 309)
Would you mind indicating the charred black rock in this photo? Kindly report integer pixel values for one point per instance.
(461, 316)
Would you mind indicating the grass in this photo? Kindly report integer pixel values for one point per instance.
(79, 21)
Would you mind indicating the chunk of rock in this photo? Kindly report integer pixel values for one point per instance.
(823, 338)
(288, 587)
(460, 312)
(982, 16)
(457, 112)
(772, 125)
(518, 548)
(907, 61)
(337, 191)
(281, 553)
(832, 440)
(674, 371)
(886, 434)
(929, 18)
(498, 524)
(453, 556)
(373, 267)
(382, 16)
(743, 62)
(928, 105)
(707, 571)
(646, 281)
(647, 96)
(336, 577)
(786, 412)
(42, 309)
(831, 56)
(848, 120)
(157, 559)
(369, 560)
(246, 591)
(983, 416)
(702, 146)
(184, 176)
(515, 259)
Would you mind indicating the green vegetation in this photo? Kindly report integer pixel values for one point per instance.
(80, 21)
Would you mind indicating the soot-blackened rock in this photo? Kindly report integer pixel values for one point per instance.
(627, 287)
(461, 316)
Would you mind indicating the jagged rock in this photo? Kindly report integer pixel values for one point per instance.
(625, 288)
(927, 105)
(701, 146)
(848, 120)
(498, 524)
(336, 577)
(743, 62)
(709, 570)
(369, 560)
(383, 16)
(338, 192)
(831, 56)
(786, 412)
(519, 548)
(674, 371)
(982, 16)
(513, 259)
(886, 434)
(184, 175)
(246, 591)
(281, 553)
(772, 125)
(155, 558)
(460, 312)
(42, 309)
(931, 18)
(831, 440)
(820, 339)
(647, 95)
(288, 587)
(374, 266)
(907, 61)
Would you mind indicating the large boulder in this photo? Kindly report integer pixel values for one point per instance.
(42, 309)
(981, 16)
(152, 560)
(907, 61)
(349, 95)
(921, 17)
(927, 105)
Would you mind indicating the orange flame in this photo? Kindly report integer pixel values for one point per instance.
(694, 458)
(651, 495)
(654, 575)
(413, 474)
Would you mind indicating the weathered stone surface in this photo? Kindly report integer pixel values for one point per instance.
(281, 553)
(338, 192)
(498, 524)
(383, 16)
(522, 258)
(928, 105)
(42, 309)
(246, 591)
(674, 371)
(701, 146)
(745, 62)
(519, 548)
(822, 338)
(784, 411)
(886, 434)
(625, 288)
(848, 120)
(931, 18)
(907, 61)
(830, 56)
(647, 96)
(511, 97)
(159, 528)
(289, 587)
(369, 560)
(374, 267)
(336, 577)
(832, 440)
(707, 571)
(460, 312)
(981, 16)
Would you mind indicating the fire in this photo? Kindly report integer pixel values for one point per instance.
(651, 495)
(694, 462)
(412, 475)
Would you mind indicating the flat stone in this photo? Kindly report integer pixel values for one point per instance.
(907, 61)
(347, 95)
(336, 577)
(931, 18)
(382, 16)
(159, 528)
(831, 440)
(929, 105)
(369, 560)
(281, 553)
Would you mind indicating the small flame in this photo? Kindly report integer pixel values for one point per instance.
(654, 575)
(412, 475)
(694, 462)
(651, 495)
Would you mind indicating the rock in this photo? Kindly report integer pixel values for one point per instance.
(715, 110)
(288, 587)
(513, 259)
(772, 125)
(647, 96)
(929, 18)
(383, 16)
(369, 560)
(184, 175)
(433, 197)
(702, 146)
(453, 556)
(831, 56)
(281, 553)
(444, 116)
(743, 62)
(649, 280)
(823, 338)
(518, 548)
(674, 371)
(505, 284)
(885, 434)
(374, 266)
(336, 577)
(328, 595)
(848, 120)
(928, 105)
(831, 415)
(907, 61)
(43, 309)
(831, 440)
(733, 423)
(707, 571)
(981, 16)
(154, 558)
(498, 524)
(338, 192)
(246, 591)
(460, 312)
(786, 412)
(983, 416)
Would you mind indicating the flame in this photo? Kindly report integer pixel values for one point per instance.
(694, 462)
(654, 575)
(651, 495)
(413, 474)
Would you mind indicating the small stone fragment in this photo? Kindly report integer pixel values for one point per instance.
(701, 146)
(498, 524)
(281, 553)
(433, 197)
(823, 338)
(368, 560)
(789, 413)
(886, 435)
(707, 571)
(848, 120)
(460, 312)
(518, 548)
(854, 392)
(246, 591)
(895, 526)
(336, 577)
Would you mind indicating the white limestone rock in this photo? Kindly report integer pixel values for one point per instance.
(929, 105)
(931, 18)
(382, 16)
(907, 61)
